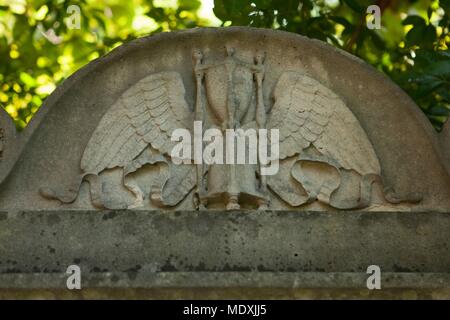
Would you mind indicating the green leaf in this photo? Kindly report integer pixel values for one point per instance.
(429, 37)
(28, 80)
(415, 35)
(354, 5)
(234, 10)
(444, 93)
(190, 5)
(441, 68)
(220, 10)
(414, 20)
(439, 110)
(263, 4)
(423, 36)
(444, 54)
(445, 4)
(158, 14)
(426, 85)
(235, 7)
(342, 21)
(429, 13)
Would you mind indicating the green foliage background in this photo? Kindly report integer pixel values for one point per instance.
(38, 50)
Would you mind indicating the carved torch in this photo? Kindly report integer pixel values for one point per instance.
(261, 115)
(199, 116)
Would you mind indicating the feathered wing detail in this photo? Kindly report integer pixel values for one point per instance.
(147, 113)
(308, 114)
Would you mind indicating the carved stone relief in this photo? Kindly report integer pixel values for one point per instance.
(325, 155)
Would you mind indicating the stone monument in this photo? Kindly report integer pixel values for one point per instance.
(361, 178)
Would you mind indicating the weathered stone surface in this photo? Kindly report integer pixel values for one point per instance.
(259, 249)
(445, 143)
(364, 179)
(10, 147)
(400, 145)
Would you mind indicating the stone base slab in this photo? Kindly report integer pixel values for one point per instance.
(303, 252)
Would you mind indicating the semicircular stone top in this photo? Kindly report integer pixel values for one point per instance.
(348, 138)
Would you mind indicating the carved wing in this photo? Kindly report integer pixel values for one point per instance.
(146, 113)
(307, 113)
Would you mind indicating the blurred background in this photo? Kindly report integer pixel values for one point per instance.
(42, 42)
